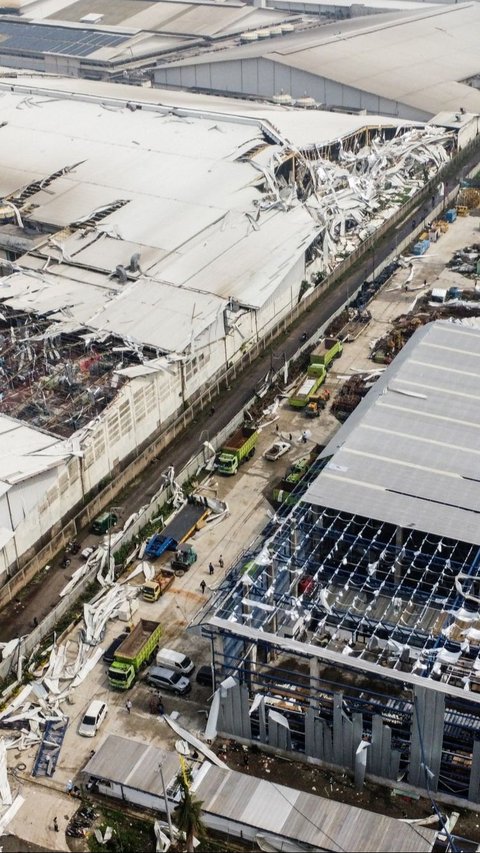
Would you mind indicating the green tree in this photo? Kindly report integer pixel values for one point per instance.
(188, 815)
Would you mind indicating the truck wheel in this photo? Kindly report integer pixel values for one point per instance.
(179, 573)
(252, 452)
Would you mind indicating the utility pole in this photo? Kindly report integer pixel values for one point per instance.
(167, 805)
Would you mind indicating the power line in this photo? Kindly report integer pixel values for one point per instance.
(342, 849)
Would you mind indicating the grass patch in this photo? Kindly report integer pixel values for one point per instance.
(130, 834)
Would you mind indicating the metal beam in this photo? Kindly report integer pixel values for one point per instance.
(309, 651)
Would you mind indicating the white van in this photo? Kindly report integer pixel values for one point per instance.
(175, 660)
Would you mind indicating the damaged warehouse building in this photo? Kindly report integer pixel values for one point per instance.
(351, 630)
(147, 247)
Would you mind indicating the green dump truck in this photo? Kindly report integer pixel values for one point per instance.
(284, 491)
(237, 449)
(137, 650)
(326, 351)
(308, 386)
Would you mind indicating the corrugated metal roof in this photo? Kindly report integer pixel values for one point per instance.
(305, 818)
(134, 764)
(409, 454)
(260, 804)
(202, 19)
(415, 59)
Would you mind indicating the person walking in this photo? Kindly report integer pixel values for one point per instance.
(69, 786)
(202, 586)
(220, 561)
(211, 568)
(55, 825)
(128, 705)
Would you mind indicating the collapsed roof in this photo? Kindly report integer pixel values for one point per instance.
(146, 223)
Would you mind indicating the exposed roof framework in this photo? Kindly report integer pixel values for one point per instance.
(394, 587)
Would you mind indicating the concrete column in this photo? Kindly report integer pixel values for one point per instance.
(218, 653)
(314, 675)
(399, 540)
(293, 540)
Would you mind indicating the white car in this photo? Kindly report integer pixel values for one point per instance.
(278, 449)
(93, 718)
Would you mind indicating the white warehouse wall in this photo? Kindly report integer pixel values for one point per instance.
(263, 77)
(142, 404)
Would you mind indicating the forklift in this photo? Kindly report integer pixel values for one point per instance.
(185, 556)
(317, 402)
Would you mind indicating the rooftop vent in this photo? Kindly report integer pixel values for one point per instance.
(306, 103)
(282, 98)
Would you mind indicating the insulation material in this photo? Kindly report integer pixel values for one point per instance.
(195, 742)
(5, 792)
(97, 614)
(8, 816)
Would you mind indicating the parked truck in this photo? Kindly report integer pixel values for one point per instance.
(308, 386)
(137, 650)
(284, 492)
(185, 556)
(152, 590)
(326, 351)
(237, 449)
(190, 518)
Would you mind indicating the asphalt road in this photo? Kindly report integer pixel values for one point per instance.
(42, 594)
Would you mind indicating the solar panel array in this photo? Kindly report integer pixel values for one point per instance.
(40, 38)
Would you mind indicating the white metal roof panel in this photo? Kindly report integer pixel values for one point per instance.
(222, 265)
(409, 454)
(157, 314)
(414, 58)
(305, 818)
(25, 452)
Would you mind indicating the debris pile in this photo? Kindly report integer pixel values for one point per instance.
(351, 188)
(54, 381)
(351, 393)
(386, 348)
(469, 197)
(466, 261)
(55, 676)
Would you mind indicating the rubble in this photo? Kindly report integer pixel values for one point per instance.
(350, 189)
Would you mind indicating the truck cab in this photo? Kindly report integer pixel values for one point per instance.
(103, 523)
(237, 449)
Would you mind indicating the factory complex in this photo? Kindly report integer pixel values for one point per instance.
(136, 272)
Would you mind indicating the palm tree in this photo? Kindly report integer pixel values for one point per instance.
(188, 814)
